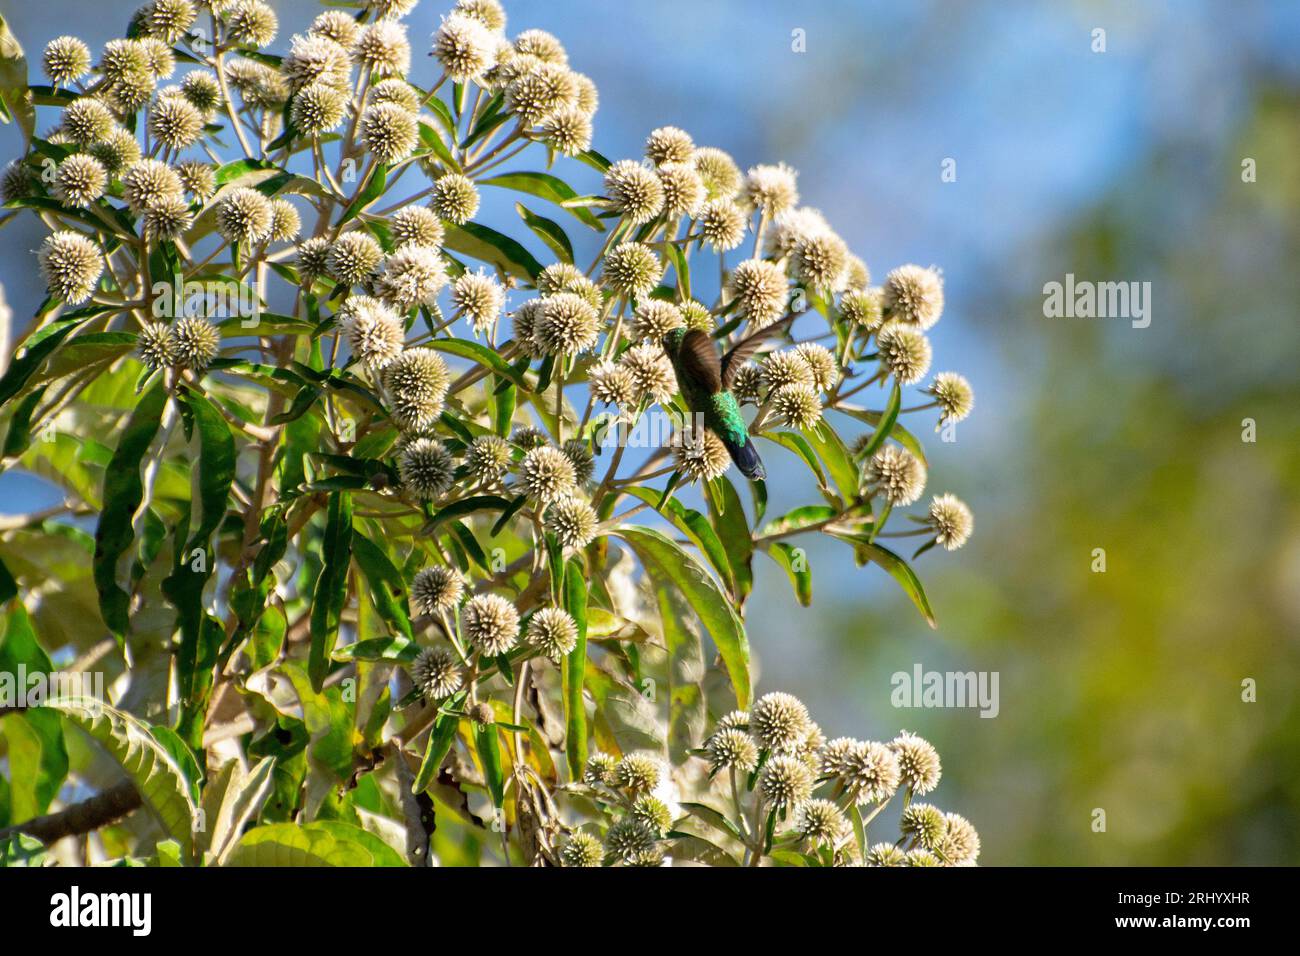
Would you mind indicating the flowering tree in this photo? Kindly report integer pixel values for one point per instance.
(392, 541)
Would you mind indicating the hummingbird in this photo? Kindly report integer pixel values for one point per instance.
(705, 380)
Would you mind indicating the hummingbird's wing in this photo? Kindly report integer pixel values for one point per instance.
(744, 350)
(699, 360)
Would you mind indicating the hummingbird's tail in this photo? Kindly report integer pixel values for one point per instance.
(746, 458)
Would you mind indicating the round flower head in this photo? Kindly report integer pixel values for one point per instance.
(785, 782)
(315, 58)
(780, 722)
(454, 198)
(731, 748)
(168, 218)
(611, 383)
(169, 19)
(668, 144)
(478, 297)
(820, 261)
(353, 257)
(696, 315)
(584, 463)
(71, 265)
(244, 216)
(542, 45)
(761, 289)
(196, 341)
(869, 772)
(557, 277)
(526, 316)
(436, 673)
(87, 121)
(65, 59)
(529, 437)
(920, 857)
(426, 468)
(252, 23)
(436, 589)
(131, 93)
(416, 226)
(747, 386)
(197, 179)
(700, 456)
(637, 192)
(464, 46)
(914, 294)
(568, 130)
(155, 345)
(652, 371)
(391, 9)
(599, 770)
(383, 48)
(313, 258)
(487, 458)
(121, 59)
(202, 91)
(160, 62)
(581, 849)
(683, 189)
(373, 331)
(786, 367)
(318, 108)
(863, 307)
(735, 720)
(653, 812)
(285, 221)
(770, 189)
(412, 276)
(821, 363)
(961, 842)
(820, 821)
(389, 131)
(655, 318)
(857, 275)
(338, 26)
(553, 632)
(416, 382)
(886, 854)
(572, 521)
(639, 773)
(490, 623)
(904, 351)
(397, 92)
(798, 406)
(897, 474)
(954, 396)
(924, 823)
(719, 172)
(80, 180)
(546, 474)
(628, 839)
(117, 151)
(791, 228)
(632, 270)
(588, 95)
(544, 89)
(722, 223)
(952, 519)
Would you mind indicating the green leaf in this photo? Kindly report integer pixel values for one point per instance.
(717, 820)
(896, 431)
(36, 350)
(733, 529)
(885, 425)
(441, 737)
(795, 562)
(160, 782)
(799, 518)
(668, 564)
(575, 668)
(374, 188)
(687, 708)
(320, 843)
(694, 525)
(548, 187)
(496, 248)
(387, 586)
(799, 445)
(123, 491)
(477, 352)
(395, 648)
(15, 97)
(681, 268)
(899, 570)
(549, 231)
(488, 744)
(38, 757)
(837, 458)
(331, 588)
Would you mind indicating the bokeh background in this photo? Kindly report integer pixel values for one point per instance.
(1119, 690)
